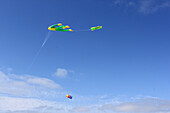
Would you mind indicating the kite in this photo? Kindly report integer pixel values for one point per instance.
(96, 28)
(59, 27)
(66, 28)
(69, 96)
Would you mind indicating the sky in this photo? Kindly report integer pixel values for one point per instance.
(123, 68)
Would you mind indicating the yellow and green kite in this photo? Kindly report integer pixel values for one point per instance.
(65, 28)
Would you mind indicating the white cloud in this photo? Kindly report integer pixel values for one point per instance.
(30, 94)
(151, 6)
(61, 72)
(3, 76)
(151, 105)
(32, 105)
(44, 82)
(80, 109)
(27, 86)
(143, 6)
(18, 104)
(13, 104)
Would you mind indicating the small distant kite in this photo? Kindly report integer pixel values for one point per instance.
(69, 96)
(65, 28)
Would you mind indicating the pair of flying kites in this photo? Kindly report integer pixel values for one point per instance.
(66, 28)
(62, 28)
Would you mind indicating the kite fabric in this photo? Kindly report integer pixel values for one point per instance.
(69, 96)
(66, 28)
(96, 28)
(59, 27)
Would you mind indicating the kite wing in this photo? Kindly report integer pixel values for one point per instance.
(59, 27)
(65, 28)
(96, 28)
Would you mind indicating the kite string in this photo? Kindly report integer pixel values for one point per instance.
(82, 30)
(39, 50)
(46, 38)
(35, 57)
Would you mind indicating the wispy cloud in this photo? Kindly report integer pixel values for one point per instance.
(80, 109)
(60, 72)
(151, 6)
(150, 105)
(28, 105)
(143, 6)
(26, 86)
(23, 105)
(43, 82)
(30, 94)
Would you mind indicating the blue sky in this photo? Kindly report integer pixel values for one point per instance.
(116, 69)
